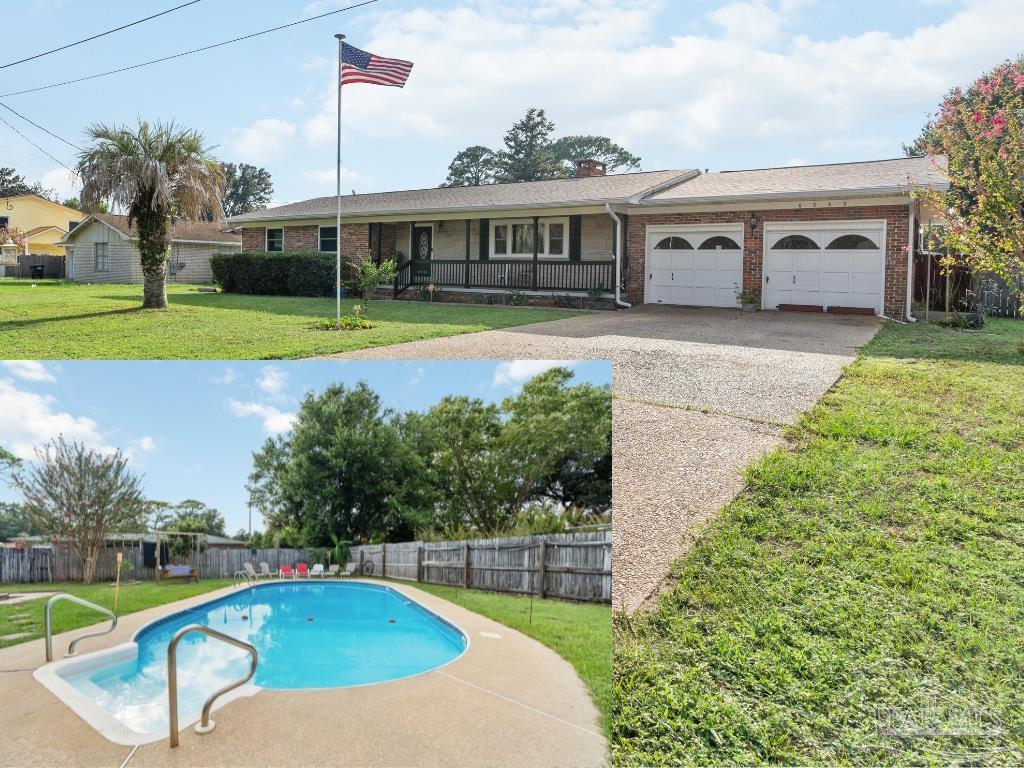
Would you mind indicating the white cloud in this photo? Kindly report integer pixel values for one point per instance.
(29, 370)
(514, 373)
(275, 421)
(746, 81)
(273, 380)
(261, 140)
(136, 448)
(29, 420)
(66, 182)
(229, 376)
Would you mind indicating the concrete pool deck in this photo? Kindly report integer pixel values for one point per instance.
(507, 701)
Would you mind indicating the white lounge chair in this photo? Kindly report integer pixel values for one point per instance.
(265, 571)
(350, 569)
(333, 571)
(249, 570)
(317, 570)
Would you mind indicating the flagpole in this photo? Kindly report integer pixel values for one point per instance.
(337, 232)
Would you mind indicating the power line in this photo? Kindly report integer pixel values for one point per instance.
(101, 34)
(188, 53)
(26, 138)
(41, 128)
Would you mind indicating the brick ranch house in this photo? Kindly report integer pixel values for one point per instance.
(827, 237)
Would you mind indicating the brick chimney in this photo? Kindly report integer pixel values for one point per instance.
(586, 168)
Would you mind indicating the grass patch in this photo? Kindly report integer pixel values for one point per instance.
(862, 601)
(28, 616)
(64, 320)
(581, 633)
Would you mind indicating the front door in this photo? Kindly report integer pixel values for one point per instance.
(422, 249)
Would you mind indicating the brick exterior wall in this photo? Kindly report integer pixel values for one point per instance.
(254, 239)
(355, 239)
(382, 241)
(895, 216)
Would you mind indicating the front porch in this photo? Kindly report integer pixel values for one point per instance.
(571, 256)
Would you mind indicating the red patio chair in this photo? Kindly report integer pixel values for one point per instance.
(287, 572)
(302, 570)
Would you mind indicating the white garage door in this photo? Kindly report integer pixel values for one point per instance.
(702, 268)
(837, 268)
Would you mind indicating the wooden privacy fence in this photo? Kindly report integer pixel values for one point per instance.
(574, 566)
(37, 265)
(59, 563)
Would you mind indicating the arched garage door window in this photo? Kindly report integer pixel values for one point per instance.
(796, 243)
(719, 241)
(852, 243)
(673, 244)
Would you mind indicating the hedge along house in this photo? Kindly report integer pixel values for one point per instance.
(104, 249)
(828, 237)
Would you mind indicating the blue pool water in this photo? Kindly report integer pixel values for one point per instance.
(308, 635)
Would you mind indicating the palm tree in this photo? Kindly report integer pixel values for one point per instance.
(153, 172)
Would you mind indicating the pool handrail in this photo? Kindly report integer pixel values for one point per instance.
(48, 623)
(205, 725)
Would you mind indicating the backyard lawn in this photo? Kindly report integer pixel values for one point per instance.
(27, 617)
(581, 633)
(57, 319)
(862, 602)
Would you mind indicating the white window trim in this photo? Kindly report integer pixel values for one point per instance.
(266, 240)
(542, 253)
(319, 238)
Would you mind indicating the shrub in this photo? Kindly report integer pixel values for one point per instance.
(281, 274)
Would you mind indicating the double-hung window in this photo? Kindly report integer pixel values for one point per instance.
(514, 239)
(328, 240)
(275, 239)
(101, 257)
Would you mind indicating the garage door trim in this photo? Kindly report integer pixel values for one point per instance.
(852, 226)
(735, 227)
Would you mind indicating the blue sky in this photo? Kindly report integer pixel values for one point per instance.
(746, 83)
(190, 427)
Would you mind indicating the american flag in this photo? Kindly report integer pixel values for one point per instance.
(358, 66)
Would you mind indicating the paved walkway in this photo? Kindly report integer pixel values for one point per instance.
(700, 394)
(507, 701)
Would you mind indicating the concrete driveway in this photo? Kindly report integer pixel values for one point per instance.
(699, 394)
(507, 701)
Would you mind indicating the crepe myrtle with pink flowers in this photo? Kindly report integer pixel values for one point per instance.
(981, 132)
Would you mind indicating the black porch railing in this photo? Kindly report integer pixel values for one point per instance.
(508, 274)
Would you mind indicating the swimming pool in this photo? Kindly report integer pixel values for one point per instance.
(308, 635)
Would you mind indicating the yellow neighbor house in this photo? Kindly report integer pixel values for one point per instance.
(43, 222)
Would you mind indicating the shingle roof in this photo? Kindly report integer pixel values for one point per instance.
(876, 176)
(195, 231)
(527, 194)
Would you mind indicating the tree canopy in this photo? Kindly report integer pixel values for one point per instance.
(530, 154)
(246, 188)
(980, 130)
(13, 184)
(354, 471)
(81, 496)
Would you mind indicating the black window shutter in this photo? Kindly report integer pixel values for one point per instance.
(575, 237)
(485, 239)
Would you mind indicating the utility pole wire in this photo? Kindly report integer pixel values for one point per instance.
(189, 53)
(26, 138)
(101, 34)
(41, 128)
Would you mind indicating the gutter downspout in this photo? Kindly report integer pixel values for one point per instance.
(618, 257)
(911, 238)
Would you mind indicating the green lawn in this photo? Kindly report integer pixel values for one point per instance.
(28, 616)
(67, 320)
(862, 602)
(581, 633)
